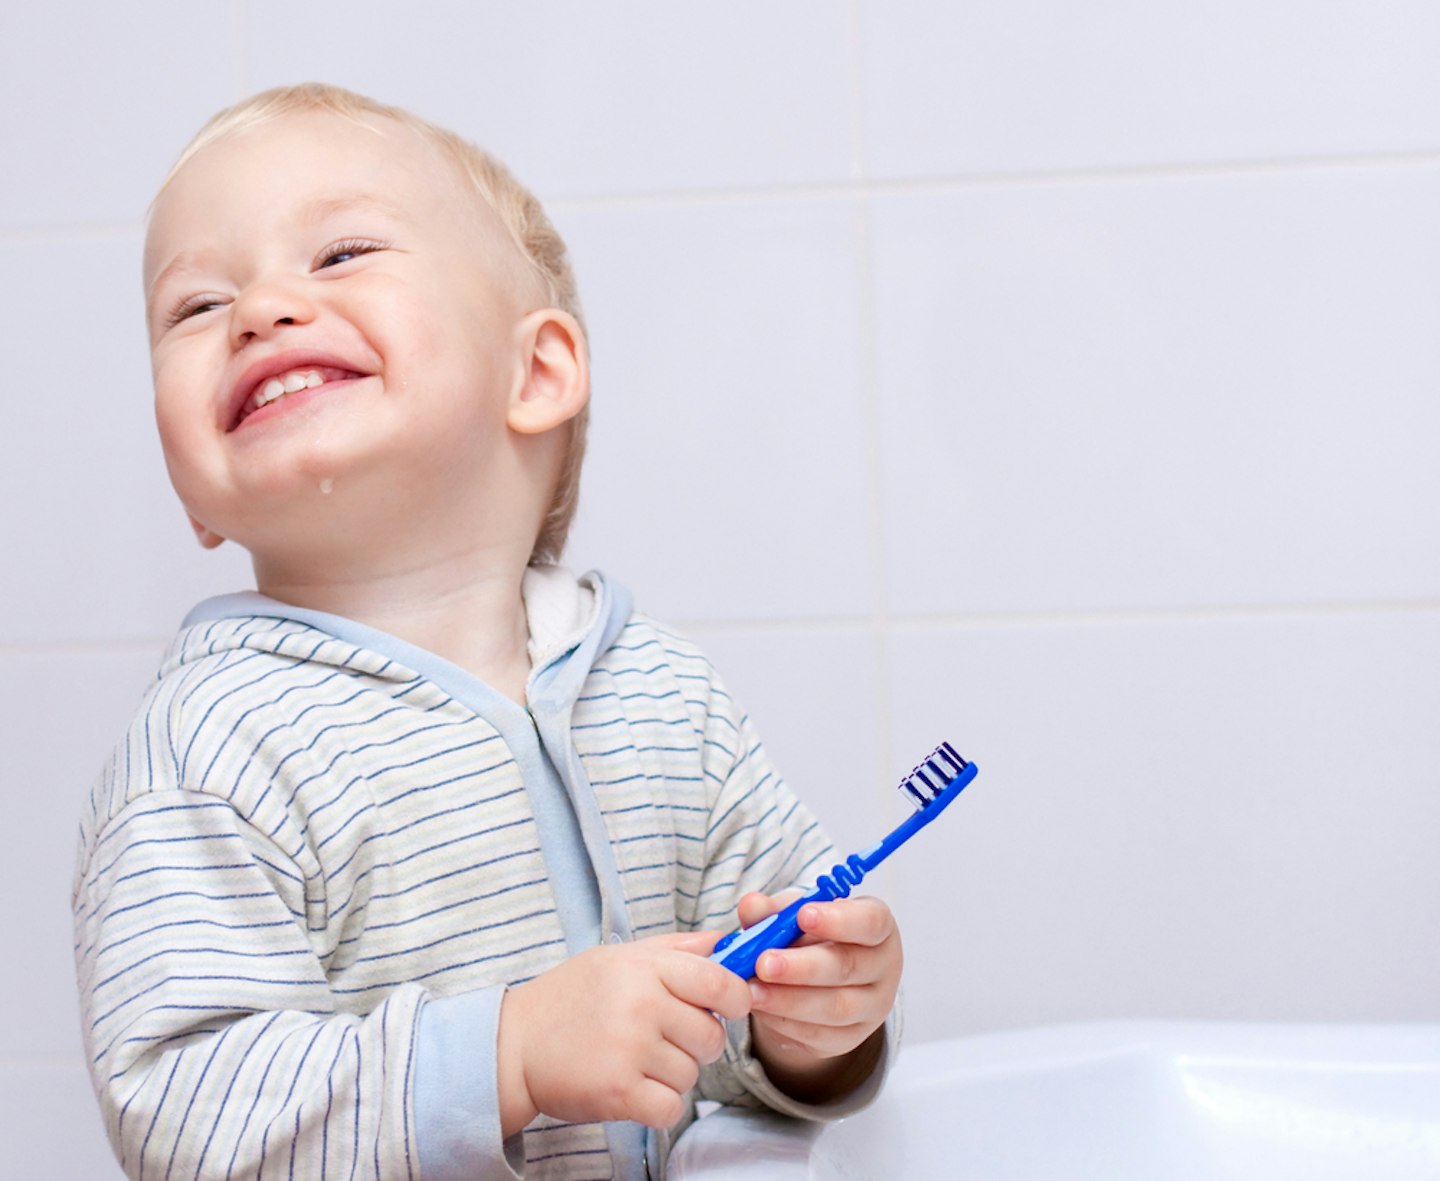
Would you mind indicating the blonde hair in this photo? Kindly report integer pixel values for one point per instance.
(536, 240)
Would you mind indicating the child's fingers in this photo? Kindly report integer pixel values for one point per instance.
(850, 942)
(695, 1032)
(700, 943)
(653, 1103)
(821, 965)
(754, 907)
(830, 991)
(795, 993)
(822, 1040)
(705, 985)
(672, 1067)
(862, 920)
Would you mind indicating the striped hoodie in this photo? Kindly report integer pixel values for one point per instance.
(320, 854)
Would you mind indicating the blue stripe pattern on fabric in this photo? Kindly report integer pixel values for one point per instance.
(300, 840)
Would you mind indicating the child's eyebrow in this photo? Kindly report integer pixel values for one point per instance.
(324, 207)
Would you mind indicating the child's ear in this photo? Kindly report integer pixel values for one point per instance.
(206, 537)
(554, 382)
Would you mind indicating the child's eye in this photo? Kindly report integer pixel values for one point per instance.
(350, 248)
(191, 305)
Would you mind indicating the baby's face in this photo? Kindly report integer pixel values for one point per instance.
(330, 311)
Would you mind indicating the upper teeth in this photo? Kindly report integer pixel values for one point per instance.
(288, 383)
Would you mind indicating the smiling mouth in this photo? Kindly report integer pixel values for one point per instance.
(292, 381)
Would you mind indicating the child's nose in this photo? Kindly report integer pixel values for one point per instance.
(265, 307)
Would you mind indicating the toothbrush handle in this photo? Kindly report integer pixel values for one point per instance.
(741, 949)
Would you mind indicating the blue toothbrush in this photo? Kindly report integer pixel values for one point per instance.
(941, 777)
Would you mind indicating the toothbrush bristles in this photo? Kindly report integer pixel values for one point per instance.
(927, 781)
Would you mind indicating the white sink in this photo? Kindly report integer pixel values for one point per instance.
(1158, 1101)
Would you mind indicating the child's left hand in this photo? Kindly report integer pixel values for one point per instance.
(818, 1005)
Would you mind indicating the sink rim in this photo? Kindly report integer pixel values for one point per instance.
(782, 1150)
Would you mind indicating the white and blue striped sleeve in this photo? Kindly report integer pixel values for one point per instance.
(216, 1046)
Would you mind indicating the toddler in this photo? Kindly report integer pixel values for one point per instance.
(410, 862)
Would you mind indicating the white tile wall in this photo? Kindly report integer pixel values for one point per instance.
(728, 471)
(1208, 816)
(98, 99)
(819, 699)
(1130, 393)
(1055, 379)
(624, 97)
(51, 1125)
(107, 551)
(64, 711)
(1004, 86)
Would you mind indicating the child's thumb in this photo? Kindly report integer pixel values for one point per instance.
(757, 906)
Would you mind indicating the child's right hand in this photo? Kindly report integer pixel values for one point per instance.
(617, 1032)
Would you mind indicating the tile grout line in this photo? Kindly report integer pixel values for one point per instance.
(857, 93)
(239, 49)
(972, 182)
(868, 360)
(1076, 617)
(856, 187)
(892, 623)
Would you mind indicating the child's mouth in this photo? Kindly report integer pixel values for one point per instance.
(292, 381)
